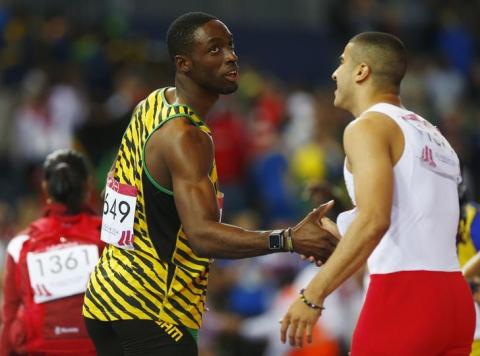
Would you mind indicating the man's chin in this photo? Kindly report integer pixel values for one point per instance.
(232, 88)
(336, 102)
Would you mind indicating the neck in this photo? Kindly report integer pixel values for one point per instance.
(190, 93)
(369, 98)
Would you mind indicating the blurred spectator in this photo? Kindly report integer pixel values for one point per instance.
(229, 132)
(445, 86)
(45, 278)
(300, 110)
(268, 174)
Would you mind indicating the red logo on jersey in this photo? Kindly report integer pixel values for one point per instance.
(427, 156)
(411, 117)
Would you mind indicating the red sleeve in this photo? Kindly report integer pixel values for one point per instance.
(10, 305)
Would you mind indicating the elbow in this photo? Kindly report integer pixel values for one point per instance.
(376, 226)
(382, 227)
(379, 227)
(197, 242)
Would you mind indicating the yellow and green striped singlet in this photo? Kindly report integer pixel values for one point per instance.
(161, 279)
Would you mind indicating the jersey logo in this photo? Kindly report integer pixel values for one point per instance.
(427, 156)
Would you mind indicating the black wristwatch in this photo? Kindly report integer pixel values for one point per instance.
(276, 241)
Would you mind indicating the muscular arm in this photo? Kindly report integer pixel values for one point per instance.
(189, 164)
(368, 146)
(180, 156)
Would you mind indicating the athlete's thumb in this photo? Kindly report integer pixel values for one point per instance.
(322, 210)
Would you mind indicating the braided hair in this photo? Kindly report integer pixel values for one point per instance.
(66, 174)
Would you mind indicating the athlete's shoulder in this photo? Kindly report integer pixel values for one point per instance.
(365, 123)
(373, 122)
(15, 245)
(182, 132)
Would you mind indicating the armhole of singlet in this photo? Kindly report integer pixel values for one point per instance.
(403, 130)
(145, 168)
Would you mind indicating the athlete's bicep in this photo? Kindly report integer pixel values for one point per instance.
(368, 153)
(190, 160)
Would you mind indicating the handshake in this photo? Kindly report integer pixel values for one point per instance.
(315, 236)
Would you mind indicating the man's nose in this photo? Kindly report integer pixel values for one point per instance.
(231, 56)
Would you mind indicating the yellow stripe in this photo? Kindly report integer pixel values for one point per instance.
(130, 291)
(163, 113)
(99, 280)
(93, 312)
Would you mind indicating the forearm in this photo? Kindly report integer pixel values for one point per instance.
(472, 267)
(217, 240)
(351, 253)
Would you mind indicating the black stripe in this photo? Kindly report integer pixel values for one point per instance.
(139, 127)
(144, 260)
(90, 297)
(173, 316)
(147, 254)
(88, 311)
(108, 309)
(182, 266)
(182, 297)
(123, 155)
(129, 144)
(140, 276)
(185, 285)
(131, 300)
(112, 299)
(132, 163)
(124, 177)
(180, 309)
(178, 295)
(192, 259)
(202, 287)
(155, 105)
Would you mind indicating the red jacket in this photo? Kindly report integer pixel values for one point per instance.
(13, 332)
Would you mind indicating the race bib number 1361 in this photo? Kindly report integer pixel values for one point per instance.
(119, 214)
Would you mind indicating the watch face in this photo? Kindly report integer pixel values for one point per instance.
(275, 240)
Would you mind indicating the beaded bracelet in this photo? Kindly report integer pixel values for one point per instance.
(309, 304)
(289, 240)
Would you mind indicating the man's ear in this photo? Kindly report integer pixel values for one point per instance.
(182, 63)
(362, 72)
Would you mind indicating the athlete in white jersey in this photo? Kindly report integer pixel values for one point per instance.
(402, 176)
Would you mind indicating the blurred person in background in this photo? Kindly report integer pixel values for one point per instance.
(48, 265)
(162, 208)
(468, 247)
(402, 176)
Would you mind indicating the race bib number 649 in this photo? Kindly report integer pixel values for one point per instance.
(118, 214)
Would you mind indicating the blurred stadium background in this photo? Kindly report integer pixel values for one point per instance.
(71, 72)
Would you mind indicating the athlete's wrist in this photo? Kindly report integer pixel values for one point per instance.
(314, 296)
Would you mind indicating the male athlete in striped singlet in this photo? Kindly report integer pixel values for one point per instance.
(161, 217)
(402, 177)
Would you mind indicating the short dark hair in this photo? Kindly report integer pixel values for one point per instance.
(181, 32)
(384, 53)
(66, 173)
